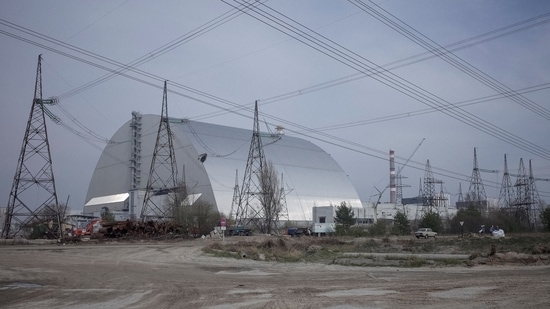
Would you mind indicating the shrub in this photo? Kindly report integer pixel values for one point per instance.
(378, 229)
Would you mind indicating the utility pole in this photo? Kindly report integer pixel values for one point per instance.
(33, 198)
(161, 190)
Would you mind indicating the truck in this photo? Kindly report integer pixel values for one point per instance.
(298, 231)
(239, 230)
(425, 232)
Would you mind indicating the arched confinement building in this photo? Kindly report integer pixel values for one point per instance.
(211, 155)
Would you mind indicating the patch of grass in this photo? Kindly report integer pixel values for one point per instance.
(414, 262)
(327, 249)
(427, 247)
(448, 262)
(368, 245)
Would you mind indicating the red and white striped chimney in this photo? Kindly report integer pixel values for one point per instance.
(393, 188)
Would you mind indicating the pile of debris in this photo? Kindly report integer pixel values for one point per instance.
(138, 230)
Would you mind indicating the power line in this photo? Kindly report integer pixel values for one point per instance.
(226, 102)
(462, 44)
(343, 55)
(97, 20)
(430, 110)
(431, 46)
(189, 36)
(238, 106)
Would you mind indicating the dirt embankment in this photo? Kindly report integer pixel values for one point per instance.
(178, 274)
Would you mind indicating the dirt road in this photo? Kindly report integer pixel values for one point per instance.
(178, 275)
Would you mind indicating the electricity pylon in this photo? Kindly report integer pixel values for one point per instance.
(249, 209)
(428, 194)
(506, 196)
(161, 190)
(523, 201)
(236, 195)
(460, 196)
(476, 194)
(33, 199)
(536, 207)
(282, 213)
(420, 205)
(527, 203)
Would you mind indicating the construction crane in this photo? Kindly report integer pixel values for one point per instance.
(412, 154)
(378, 201)
(399, 187)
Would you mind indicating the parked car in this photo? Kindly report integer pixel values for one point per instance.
(425, 232)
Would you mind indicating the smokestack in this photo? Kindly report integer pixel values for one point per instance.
(393, 188)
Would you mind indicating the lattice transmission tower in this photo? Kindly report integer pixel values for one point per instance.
(536, 207)
(460, 196)
(420, 202)
(236, 195)
(282, 213)
(476, 196)
(506, 196)
(523, 200)
(162, 188)
(251, 210)
(527, 204)
(429, 197)
(399, 187)
(33, 198)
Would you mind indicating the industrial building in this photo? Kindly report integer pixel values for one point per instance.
(211, 160)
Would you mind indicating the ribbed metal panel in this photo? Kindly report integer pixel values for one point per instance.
(313, 177)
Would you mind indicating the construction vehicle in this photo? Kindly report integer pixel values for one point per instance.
(92, 227)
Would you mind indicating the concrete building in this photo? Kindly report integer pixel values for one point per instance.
(210, 155)
(387, 211)
(323, 220)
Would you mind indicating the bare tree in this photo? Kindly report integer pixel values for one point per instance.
(196, 217)
(270, 198)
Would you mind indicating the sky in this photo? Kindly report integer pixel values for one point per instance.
(450, 76)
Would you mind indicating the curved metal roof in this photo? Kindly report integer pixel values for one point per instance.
(311, 176)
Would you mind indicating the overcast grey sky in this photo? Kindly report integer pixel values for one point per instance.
(315, 84)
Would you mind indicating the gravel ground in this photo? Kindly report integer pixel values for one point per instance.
(179, 275)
